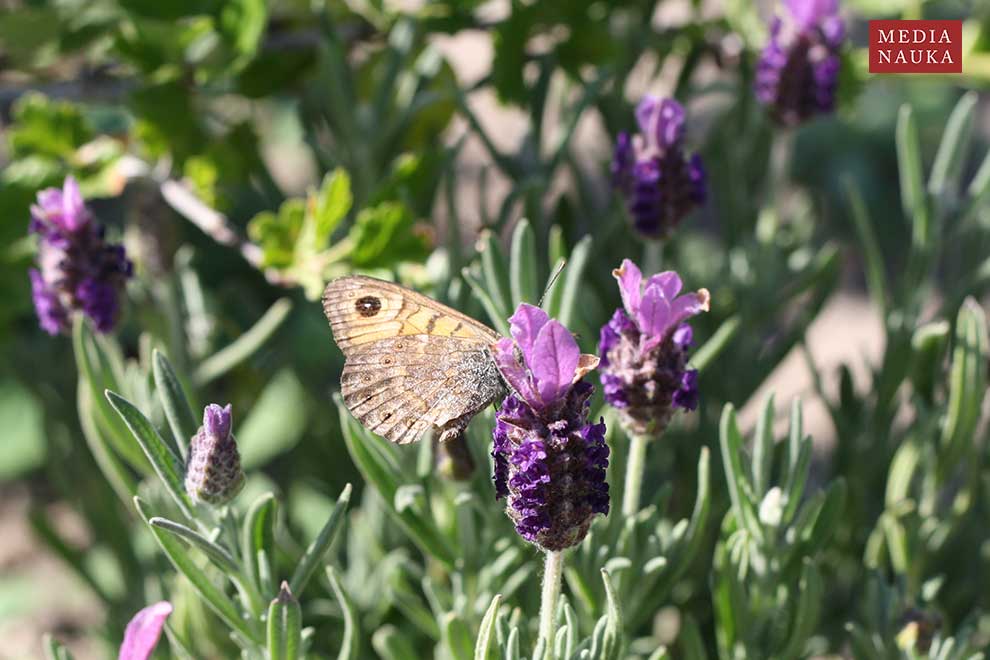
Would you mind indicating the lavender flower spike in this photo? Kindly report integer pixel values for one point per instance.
(798, 71)
(143, 631)
(644, 350)
(213, 471)
(660, 183)
(549, 460)
(77, 269)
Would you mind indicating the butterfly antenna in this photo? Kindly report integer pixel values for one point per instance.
(553, 279)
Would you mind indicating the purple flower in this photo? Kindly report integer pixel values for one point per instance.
(143, 631)
(660, 183)
(77, 269)
(644, 349)
(549, 461)
(798, 71)
(213, 470)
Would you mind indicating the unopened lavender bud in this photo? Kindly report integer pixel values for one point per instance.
(644, 349)
(213, 471)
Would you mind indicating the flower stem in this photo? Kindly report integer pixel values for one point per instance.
(635, 466)
(552, 572)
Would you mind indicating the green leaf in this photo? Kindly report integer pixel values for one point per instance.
(350, 646)
(258, 536)
(178, 412)
(809, 604)
(167, 465)
(572, 288)
(731, 444)
(612, 642)
(955, 144)
(331, 204)
(54, 649)
(94, 365)
(242, 24)
(718, 342)
(317, 550)
(967, 384)
(876, 277)
(457, 637)
(496, 315)
(763, 449)
(220, 557)
(495, 272)
(114, 471)
(214, 597)
(913, 197)
(384, 235)
(386, 478)
(278, 233)
(483, 644)
(244, 346)
(284, 626)
(523, 265)
(390, 644)
(47, 128)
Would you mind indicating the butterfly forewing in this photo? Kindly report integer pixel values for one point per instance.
(411, 362)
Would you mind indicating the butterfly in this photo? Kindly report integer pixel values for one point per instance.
(411, 363)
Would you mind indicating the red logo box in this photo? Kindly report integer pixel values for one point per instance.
(915, 46)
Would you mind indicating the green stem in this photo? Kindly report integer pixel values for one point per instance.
(635, 467)
(552, 572)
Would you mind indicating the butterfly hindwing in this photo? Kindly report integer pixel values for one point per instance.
(411, 362)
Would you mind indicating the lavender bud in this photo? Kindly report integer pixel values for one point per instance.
(798, 71)
(213, 471)
(661, 184)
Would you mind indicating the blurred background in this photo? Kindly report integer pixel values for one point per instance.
(204, 132)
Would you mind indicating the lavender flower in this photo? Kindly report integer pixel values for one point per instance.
(798, 71)
(77, 269)
(143, 631)
(660, 183)
(644, 350)
(549, 461)
(213, 471)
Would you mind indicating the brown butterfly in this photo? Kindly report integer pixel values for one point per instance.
(411, 362)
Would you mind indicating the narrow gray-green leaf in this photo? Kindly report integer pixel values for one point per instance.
(258, 535)
(913, 197)
(217, 554)
(284, 626)
(212, 595)
(763, 448)
(484, 639)
(573, 273)
(876, 277)
(390, 644)
(167, 465)
(174, 401)
(613, 621)
(350, 646)
(952, 150)
(495, 314)
(54, 649)
(314, 554)
(494, 270)
(523, 265)
(967, 382)
(245, 345)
